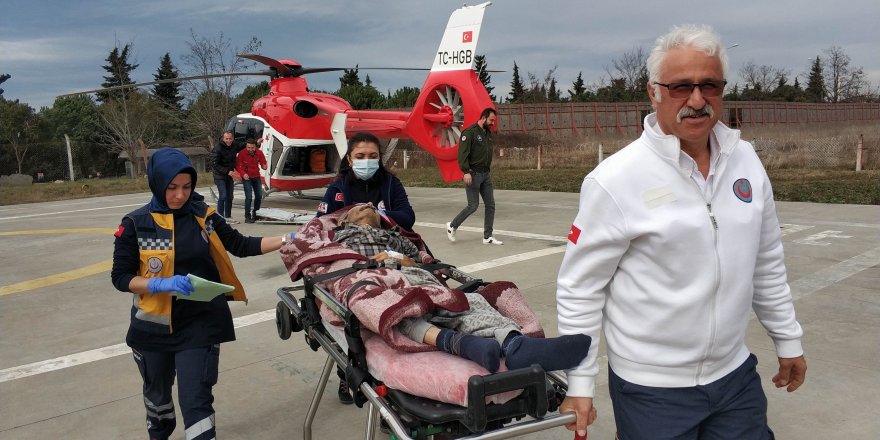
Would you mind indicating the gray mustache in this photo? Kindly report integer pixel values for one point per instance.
(688, 112)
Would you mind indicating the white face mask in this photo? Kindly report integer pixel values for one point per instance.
(365, 168)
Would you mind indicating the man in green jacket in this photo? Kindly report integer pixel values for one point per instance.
(475, 161)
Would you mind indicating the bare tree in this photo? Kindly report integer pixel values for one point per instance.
(127, 122)
(208, 55)
(538, 88)
(843, 81)
(763, 78)
(632, 68)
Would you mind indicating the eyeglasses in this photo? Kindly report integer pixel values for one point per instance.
(709, 89)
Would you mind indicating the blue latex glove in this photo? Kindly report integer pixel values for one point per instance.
(177, 283)
(382, 213)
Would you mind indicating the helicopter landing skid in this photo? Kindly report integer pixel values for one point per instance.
(300, 195)
(283, 217)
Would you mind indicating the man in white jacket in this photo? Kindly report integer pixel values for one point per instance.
(675, 241)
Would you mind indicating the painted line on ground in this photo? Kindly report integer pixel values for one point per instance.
(57, 278)
(51, 280)
(831, 275)
(43, 214)
(499, 232)
(108, 352)
(102, 353)
(800, 289)
(60, 231)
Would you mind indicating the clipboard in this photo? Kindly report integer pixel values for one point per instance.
(204, 290)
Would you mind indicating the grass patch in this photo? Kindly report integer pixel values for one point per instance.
(793, 185)
(66, 190)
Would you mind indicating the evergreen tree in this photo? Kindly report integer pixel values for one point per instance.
(3, 77)
(481, 67)
(368, 82)
(552, 92)
(733, 94)
(517, 88)
(167, 93)
(404, 97)
(578, 91)
(350, 78)
(816, 83)
(120, 74)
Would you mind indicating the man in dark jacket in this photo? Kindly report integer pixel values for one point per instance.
(475, 160)
(225, 175)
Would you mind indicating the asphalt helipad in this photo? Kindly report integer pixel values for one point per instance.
(66, 373)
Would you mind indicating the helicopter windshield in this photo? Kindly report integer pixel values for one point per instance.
(243, 129)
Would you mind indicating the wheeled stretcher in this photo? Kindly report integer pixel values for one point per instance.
(497, 406)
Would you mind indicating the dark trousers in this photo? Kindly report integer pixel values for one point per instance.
(224, 195)
(733, 407)
(252, 186)
(197, 371)
(481, 186)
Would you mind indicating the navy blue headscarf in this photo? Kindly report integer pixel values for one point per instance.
(165, 164)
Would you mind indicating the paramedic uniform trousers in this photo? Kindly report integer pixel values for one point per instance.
(731, 408)
(197, 371)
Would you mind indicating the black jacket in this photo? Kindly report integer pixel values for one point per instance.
(223, 159)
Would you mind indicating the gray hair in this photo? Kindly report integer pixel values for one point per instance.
(700, 37)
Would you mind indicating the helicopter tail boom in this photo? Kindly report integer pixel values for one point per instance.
(452, 96)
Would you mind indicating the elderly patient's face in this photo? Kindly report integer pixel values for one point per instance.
(364, 215)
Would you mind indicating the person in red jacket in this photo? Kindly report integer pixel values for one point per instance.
(248, 164)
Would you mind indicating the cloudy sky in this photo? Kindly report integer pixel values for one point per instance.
(51, 47)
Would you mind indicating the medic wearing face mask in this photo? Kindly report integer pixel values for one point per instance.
(363, 179)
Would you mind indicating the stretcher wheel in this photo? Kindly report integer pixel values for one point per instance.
(283, 320)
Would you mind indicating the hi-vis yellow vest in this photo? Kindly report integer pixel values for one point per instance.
(155, 236)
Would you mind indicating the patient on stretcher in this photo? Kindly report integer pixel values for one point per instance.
(480, 333)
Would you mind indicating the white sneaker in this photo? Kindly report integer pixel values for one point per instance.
(492, 240)
(231, 221)
(450, 232)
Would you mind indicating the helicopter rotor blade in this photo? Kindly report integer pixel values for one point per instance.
(170, 80)
(282, 69)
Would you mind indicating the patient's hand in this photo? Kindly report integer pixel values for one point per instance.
(405, 262)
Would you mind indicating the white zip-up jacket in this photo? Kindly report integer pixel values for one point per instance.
(670, 275)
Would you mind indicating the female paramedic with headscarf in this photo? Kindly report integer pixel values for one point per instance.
(156, 247)
(363, 178)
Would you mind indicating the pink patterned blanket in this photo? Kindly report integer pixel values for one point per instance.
(382, 297)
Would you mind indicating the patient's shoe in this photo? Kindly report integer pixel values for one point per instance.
(450, 231)
(492, 240)
(344, 393)
(559, 353)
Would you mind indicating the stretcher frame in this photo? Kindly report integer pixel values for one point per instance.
(542, 391)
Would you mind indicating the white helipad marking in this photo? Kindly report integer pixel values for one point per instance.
(830, 275)
(791, 229)
(816, 239)
(98, 354)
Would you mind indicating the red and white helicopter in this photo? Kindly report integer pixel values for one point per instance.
(292, 121)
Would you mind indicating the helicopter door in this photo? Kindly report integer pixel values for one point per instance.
(243, 129)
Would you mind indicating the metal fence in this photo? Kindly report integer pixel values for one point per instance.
(833, 152)
(626, 117)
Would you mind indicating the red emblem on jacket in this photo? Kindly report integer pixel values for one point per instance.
(340, 197)
(573, 234)
(119, 231)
